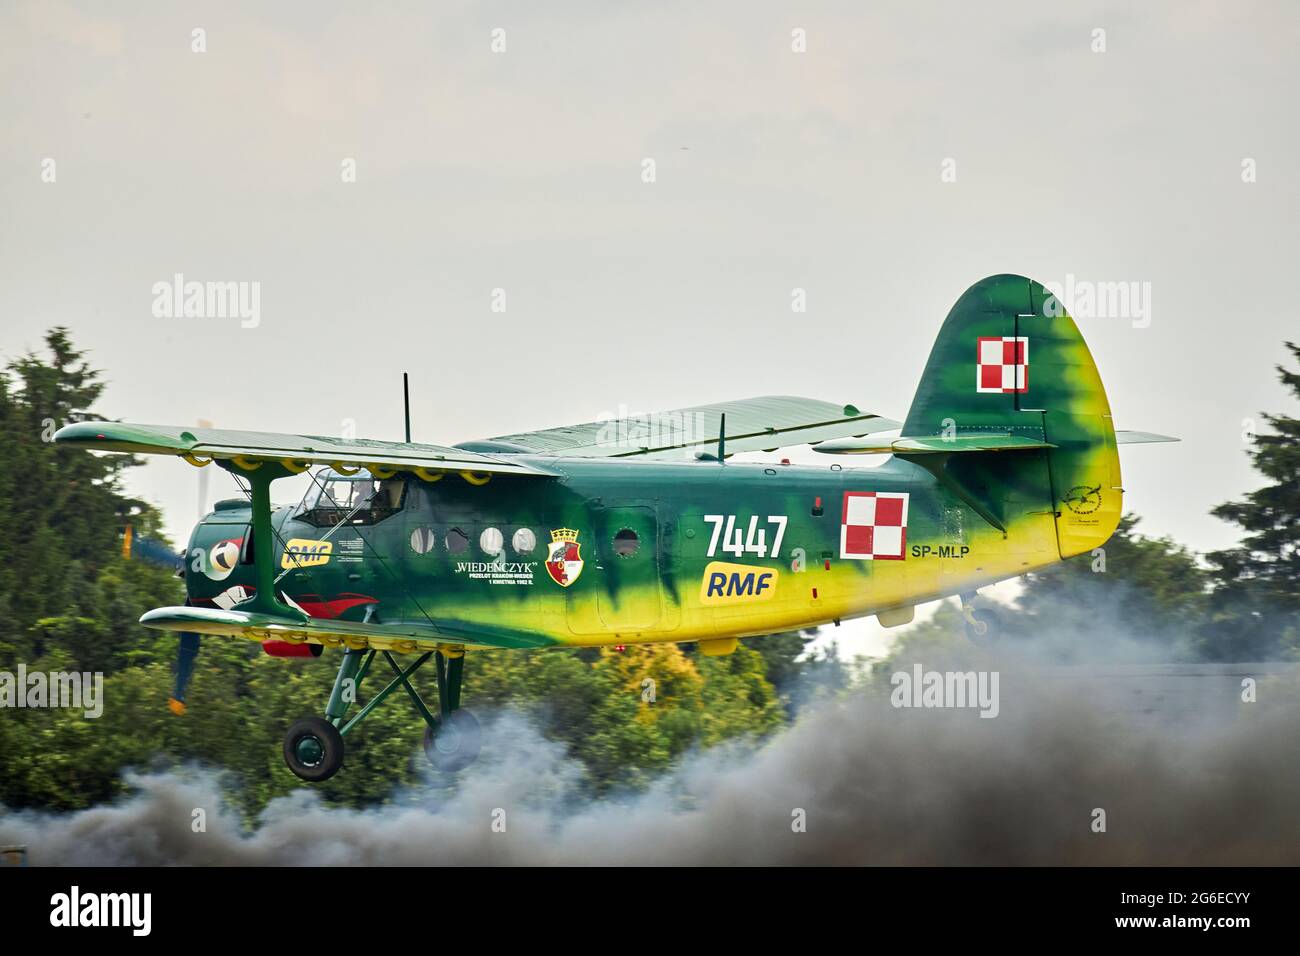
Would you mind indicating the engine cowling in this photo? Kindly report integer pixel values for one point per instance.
(287, 649)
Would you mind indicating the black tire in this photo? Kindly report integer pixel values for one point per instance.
(983, 626)
(313, 749)
(455, 744)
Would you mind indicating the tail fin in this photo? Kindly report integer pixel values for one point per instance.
(1009, 359)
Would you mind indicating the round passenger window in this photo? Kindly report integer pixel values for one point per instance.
(524, 541)
(491, 542)
(422, 540)
(626, 543)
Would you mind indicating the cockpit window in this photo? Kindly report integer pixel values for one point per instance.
(355, 499)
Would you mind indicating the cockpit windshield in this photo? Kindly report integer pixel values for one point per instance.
(359, 498)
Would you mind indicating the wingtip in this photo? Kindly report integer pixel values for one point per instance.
(80, 432)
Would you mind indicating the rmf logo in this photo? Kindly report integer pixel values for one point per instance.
(736, 583)
(306, 553)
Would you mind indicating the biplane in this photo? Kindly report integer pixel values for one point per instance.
(639, 531)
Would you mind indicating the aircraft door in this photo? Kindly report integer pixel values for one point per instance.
(626, 561)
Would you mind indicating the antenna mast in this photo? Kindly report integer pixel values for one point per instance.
(406, 404)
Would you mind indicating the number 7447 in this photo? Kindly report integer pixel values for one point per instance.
(752, 541)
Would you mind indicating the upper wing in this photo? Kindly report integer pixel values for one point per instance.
(752, 424)
(295, 451)
(765, 423)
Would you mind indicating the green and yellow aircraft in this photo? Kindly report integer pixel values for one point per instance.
(628, 532)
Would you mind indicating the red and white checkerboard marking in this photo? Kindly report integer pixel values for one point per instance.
(1003, 364)
(874, 526)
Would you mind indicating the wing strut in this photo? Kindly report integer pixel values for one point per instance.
(259, 479)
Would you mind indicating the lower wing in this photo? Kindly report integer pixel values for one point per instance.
(404, 637)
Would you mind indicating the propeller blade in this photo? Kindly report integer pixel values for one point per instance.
(186, 653)
(151, 551)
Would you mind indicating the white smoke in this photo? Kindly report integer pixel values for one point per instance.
(875, 785)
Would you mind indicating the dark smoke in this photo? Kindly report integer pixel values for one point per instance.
(1209, 781)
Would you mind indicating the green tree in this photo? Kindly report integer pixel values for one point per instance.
(64, 510)
(1257, 583)
(69, 601)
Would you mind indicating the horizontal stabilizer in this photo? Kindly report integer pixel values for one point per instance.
(402, 637)
(1139, 438)
(931, 445)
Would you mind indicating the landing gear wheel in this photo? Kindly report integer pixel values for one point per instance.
(313, 749)
(983, 625)
(455, 743)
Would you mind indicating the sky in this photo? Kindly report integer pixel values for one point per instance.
(391, 177)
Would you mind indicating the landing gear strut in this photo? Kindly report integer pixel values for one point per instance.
(983, 624)
(313, 747)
